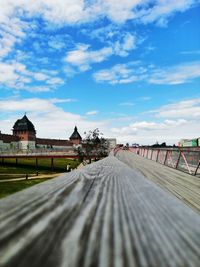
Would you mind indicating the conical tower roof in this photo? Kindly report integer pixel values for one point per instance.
(75, 135)
(24, 124)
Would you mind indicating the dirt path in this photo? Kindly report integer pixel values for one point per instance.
(42, 176)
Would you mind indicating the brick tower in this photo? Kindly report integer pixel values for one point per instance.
(25, 130)
(75, 138)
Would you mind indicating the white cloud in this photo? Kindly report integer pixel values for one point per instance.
(37, 89)
(78, 11)
(55, 81)
(189, 109)
(169, 123)
(15, 75)
(147, 126)
(69, 71)
(176, 74)
(67, 12)
(162, 10)
(119, 74)
(12, 31)
(127, 104)
(56, 44)
(66, 100)
(150, 132)
(128, 73)
(124, 46)
(92, 112)
(82, 57)
(40, 76)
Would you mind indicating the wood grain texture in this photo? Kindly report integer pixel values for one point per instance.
(184, 186)
(105, 215)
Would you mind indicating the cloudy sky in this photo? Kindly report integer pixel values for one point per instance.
(129, 67)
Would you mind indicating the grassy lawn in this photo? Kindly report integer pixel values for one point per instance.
(7, 188)
(24, 166)
(10, 170)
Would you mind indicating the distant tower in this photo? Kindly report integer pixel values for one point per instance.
(75, 138)
(25, 130)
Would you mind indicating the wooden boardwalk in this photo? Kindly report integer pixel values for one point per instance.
(184, 186)
(103, 215)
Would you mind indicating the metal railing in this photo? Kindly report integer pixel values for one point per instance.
(183, 159)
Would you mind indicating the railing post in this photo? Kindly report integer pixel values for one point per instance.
(151, 154)
(186, 163)
(147, 153)
(195, 173)
(179, 156)
(165, 157)
(157, 155)
(171, 158)
(52, 166)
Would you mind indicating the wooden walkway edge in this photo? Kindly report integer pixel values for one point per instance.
(105, 215)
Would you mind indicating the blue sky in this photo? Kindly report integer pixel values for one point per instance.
(130, 67)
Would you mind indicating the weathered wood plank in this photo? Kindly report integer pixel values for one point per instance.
(105, 214)
(184, 186)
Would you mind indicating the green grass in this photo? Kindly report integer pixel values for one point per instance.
(24, 166)
(13, 176)
(7, 188)
(10, 170)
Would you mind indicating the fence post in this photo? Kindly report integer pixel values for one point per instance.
(186, 163)
(157, 155)
(179, 156)
(166, 157)
(52, 166)
(151, 154)
(197, 168)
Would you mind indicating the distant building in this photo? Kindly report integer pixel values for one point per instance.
(24, 138)
(25, 131)
(8, 141)
(53, 143)
(75, 138)
(189, 142)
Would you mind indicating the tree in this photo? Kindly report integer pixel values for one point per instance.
(93, 145)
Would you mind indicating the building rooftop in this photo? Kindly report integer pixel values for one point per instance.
(24, 124)
(8, 138)
(53, 142)
(75, 135)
